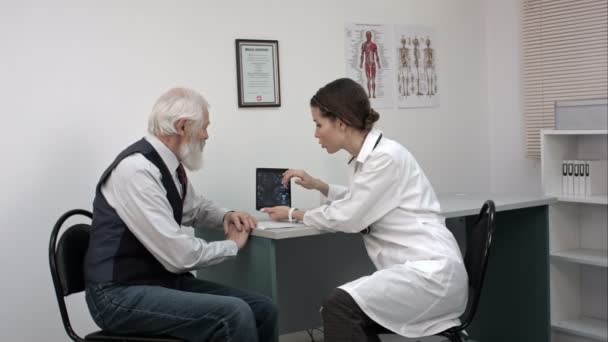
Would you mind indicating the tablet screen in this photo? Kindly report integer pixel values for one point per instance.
(269, 191)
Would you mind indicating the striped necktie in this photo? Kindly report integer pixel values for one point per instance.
(183, 179)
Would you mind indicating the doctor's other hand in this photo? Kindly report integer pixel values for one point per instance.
(239, 237)
(240, 221)
(277, 213)
(302, 178)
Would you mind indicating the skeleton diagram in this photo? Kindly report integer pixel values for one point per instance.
(405, 69)
(417, 65)
(429, 69)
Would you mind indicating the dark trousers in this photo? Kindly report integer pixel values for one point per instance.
(197, 311)
(344, 321)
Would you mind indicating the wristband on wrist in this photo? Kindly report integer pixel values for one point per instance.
(290, 215)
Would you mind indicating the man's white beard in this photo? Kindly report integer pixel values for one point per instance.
(191, 155)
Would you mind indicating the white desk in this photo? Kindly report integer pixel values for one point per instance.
(452, 205)
(297, 267)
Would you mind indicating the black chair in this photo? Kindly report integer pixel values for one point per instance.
(66, 259)
(479, 241)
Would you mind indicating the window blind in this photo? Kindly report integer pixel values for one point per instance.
(565, 49)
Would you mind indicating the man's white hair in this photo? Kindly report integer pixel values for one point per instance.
(176, 104)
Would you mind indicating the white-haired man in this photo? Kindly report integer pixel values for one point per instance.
(137, 263)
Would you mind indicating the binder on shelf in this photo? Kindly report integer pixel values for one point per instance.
(587, 180)
(575, 178)
(570, 190)
(564, 177)
(581, 178)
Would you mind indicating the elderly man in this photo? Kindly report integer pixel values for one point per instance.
(137, 263)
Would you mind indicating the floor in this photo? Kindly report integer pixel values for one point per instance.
(302, 336)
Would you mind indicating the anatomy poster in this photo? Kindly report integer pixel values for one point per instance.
(369, 54)
(416, 73)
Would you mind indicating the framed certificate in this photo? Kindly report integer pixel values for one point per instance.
(257, 65)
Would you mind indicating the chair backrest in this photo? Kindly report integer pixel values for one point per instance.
(479, 241)
(66, 259)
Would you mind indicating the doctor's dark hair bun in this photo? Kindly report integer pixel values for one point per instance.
(372, 117)
(346, 100)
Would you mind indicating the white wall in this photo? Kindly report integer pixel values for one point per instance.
(510, 170)
(77, 81)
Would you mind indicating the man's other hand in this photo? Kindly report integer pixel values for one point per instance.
(240, 221)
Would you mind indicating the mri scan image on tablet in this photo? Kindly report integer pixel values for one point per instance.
(269, 191)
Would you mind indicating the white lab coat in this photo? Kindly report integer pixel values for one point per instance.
(420, 286)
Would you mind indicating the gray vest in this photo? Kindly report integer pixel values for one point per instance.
(114, 253)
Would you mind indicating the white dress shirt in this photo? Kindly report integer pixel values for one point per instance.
(420, 286)
(135, 190)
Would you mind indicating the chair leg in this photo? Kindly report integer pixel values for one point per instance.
(454, 337)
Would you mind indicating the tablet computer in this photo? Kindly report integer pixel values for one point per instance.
(269, 191)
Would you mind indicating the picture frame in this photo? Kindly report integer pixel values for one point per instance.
(258, 76)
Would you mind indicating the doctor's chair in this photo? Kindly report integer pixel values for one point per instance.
(66, 259)
(479, 241)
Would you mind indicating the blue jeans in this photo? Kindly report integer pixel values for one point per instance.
(196, 311)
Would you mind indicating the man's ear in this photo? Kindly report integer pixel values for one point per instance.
(180, 127)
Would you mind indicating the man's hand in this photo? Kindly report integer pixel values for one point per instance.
(277, 213)
(239, 237)
(239, 221)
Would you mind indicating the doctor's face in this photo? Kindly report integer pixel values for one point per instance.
(327, 131)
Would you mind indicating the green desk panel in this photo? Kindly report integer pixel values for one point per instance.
(306, 269)
(514, 303)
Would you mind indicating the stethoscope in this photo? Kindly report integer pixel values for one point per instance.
(369, 229)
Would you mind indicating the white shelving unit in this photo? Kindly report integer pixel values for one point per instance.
(594, 199)
(590, 328)
(578, 240)
(584, 256)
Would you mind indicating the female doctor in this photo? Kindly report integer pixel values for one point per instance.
(420, 286)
